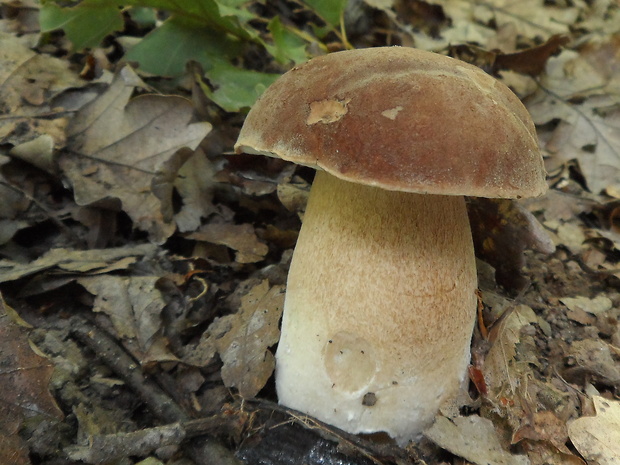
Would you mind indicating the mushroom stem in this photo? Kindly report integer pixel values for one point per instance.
(380, 307)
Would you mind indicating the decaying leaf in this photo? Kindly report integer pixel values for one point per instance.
(78, 261)
(543, 453)
(239, 237)
(24, 379)
(544, 426)
(243, 339)
(117, 145)
(499, 363)
(599, 304)
(598, 438)
(248, 363)
(472, 438)
(134, 305)
(191, 174)
(593, 357)
(28, 83)
(580, 90)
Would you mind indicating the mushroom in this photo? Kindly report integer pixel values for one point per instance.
(381, 294)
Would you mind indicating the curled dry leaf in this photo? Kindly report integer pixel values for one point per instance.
(93, 261)
(500, 367)
(117, 145)
(598, 438)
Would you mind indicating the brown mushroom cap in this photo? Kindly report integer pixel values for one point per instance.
(401, 119)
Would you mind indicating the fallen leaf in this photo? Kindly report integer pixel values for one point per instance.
(294, 195)
(544, 426)
(82, 261)
(530, 18)
(499, 362)
(542, 453)
(194, 183)
(134, 304)
(599, 304)
(580, 90)
(243, 339)
(117, 145)
(24, 379)
(239, 237)
(473, 438)
(592, 136)
(598, 438)
(532, 60)
(28, 84)
(593, 357)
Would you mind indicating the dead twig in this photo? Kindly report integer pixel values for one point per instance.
(104, 448)
(158, 402)
(378, 453)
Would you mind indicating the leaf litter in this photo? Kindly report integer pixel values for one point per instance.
(151, 264)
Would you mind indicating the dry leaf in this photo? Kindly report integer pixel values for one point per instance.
(580, 89)
(593, 356)
(191, 174)
(598, 438)
(600, 304)
(117, 145)
(239, 237)
(472, 438)
(530, 18)
(134, 305)
(499, 364)
(243, 339)
(78, 261)
(28, 84)
(542, 453)
(544, 426)
(24, 379)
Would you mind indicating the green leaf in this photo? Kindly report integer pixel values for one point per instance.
(166, 50)
(331, 11)
(236, 88)
(143, 17)
(288, 45)
(209, 13)
(86, 24)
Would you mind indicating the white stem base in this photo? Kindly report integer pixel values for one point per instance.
(380, 307)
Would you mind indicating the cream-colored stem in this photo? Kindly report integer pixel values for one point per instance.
(380, 307)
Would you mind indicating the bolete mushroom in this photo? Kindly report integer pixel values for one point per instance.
(380, 302)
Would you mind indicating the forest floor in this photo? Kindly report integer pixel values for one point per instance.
(143, 265)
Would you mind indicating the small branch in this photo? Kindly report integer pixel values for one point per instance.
(105, 448)
(158, 402)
